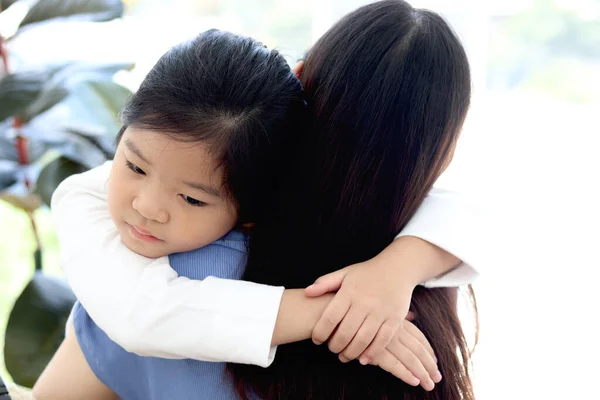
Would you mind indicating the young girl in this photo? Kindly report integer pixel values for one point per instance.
(166, 159)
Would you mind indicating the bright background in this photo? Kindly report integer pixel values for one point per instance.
(528, 156)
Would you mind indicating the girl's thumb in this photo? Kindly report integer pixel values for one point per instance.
(327, 283)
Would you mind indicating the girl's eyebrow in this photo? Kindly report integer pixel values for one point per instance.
(135, 150)
(205, 188)
(199, 186)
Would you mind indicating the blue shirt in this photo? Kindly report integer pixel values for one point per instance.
(134, 377)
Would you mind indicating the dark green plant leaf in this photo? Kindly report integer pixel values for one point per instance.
(56, 89)
(53, 174)
(104, 142)
(36, 327)
(85, 10)
(84, 151)
(65, 80)
(8, 173)
(4, 4)
(112, 94)
(30, 93)
(47, 99)
(89, 106)
(7, 179)
(21, 89)
(106, 99)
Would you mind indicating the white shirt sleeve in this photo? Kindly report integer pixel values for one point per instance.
(141, 303)
(448, 221)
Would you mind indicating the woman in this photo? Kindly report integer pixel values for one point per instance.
(389, 88)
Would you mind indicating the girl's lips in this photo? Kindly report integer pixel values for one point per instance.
(142, 234)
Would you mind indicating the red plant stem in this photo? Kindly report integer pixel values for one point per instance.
(21, 144)
(3, 55)
(36, 235)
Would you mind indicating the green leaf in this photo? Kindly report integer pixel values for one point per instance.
(36, 327)
(86, 10)
(104, 142)
(53, 174)
(21, 89)
(82, 150)
(47, 99)
(30, 93)
(99, 104)
(4, 4)
(62, 81)
(112, 94)
(8, 173)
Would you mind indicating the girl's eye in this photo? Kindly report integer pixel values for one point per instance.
(135, 168)
(193, 202)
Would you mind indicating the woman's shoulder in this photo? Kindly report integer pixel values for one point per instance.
(234, 240)
(223, 258)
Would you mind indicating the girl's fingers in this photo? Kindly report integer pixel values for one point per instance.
(388, 362)
(363, 338)
(417, 334)
(333, 314)
(346, 330)
(382, 339)
(411, 361)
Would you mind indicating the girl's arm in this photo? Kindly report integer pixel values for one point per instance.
(214, 319)
(448, 221)
(69, 377)
(373, 297)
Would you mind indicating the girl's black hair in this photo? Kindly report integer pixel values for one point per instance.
(235, 94)
(388, 89)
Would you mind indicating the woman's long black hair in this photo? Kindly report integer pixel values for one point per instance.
(388, 89)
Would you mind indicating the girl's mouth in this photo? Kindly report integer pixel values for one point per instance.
(142, 234)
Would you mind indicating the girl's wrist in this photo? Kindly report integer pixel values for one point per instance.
(416, 259)
(298, 315)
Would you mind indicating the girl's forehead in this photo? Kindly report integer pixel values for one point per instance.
(175, 159)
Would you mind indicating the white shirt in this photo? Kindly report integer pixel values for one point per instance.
(213, 319)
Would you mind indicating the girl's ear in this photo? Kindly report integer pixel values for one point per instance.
(246, 228)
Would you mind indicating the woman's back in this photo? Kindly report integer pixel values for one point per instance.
(389, 88)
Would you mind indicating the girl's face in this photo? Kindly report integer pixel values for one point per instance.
(167, 196)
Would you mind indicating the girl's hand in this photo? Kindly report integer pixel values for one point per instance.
(409, 357)
(373, 297)
(368, 309)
